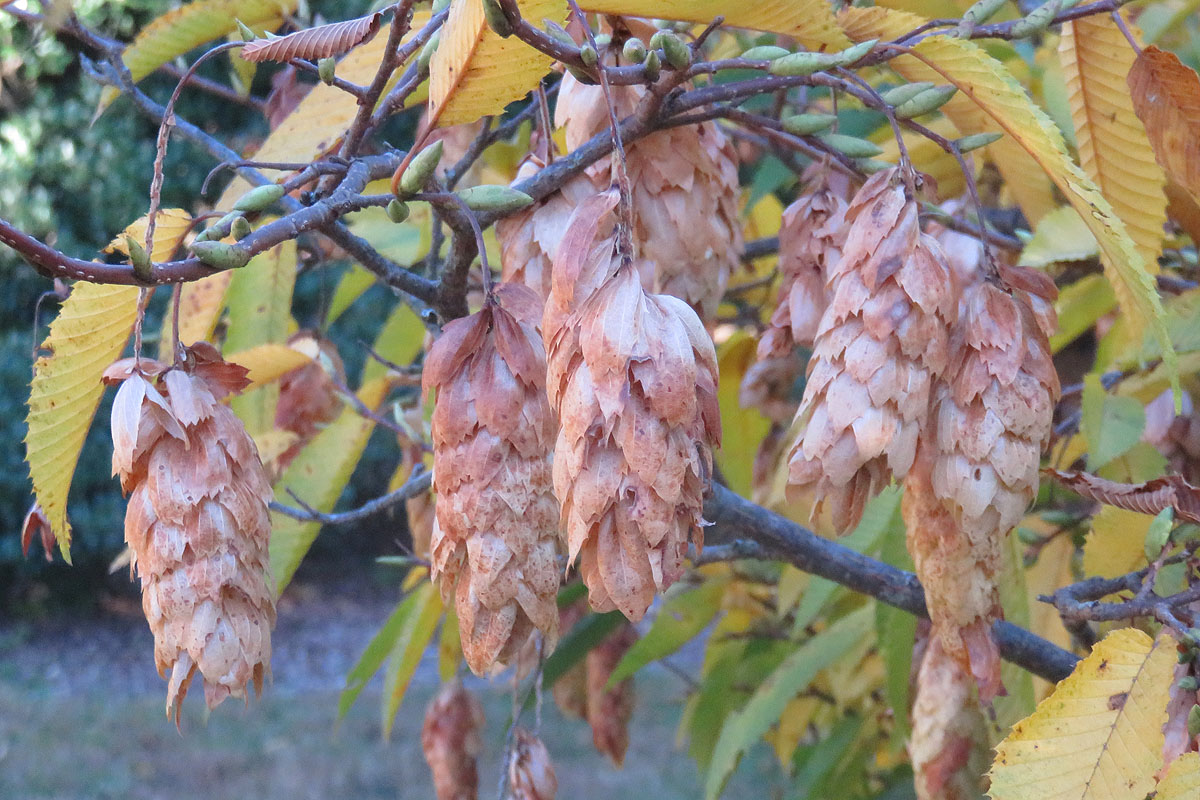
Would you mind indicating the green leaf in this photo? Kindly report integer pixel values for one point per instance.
(409, 647)
(1079, 307)
(796, 672)
(572, 648)
(352, 285)
(377, 650)
(1112, 424)
(260, 308)
(895, 631)
(1014, 599)
(1159, 533)
(684, 614)
(816, 763)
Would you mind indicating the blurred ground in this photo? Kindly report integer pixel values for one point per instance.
(81, 718)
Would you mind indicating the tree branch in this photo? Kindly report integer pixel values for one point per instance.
(751, 531)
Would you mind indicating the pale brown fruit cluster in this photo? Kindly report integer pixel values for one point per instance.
(197, 522)
(450, 740)
(685, 193)
(610, 709)
(633, 377)
(946, 729)
(881, 343)
(495, 539)
(992, 418)
(530, 771)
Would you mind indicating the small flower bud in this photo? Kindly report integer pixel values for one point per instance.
(397, 211)
(220, 255)
(634, 51)
(420, 169)
(325, 70)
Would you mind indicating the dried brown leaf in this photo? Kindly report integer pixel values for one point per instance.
(530, 771)
(609, 710)
(450, 740)
(1166, 97)
(36, 524)
(1151, 497)
(321, 41)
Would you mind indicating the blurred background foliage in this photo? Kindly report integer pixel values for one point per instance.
(75, 183)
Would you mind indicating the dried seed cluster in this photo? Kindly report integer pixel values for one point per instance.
(450, 740)
(495, 537)
(197, 522)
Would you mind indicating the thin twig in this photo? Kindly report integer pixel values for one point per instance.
(417, 483)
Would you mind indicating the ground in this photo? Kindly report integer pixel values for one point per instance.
(81, 718)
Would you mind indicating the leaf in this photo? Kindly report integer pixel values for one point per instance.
(376, 652)
(1111, 423)
(260, 307)
(1151, 497)
(744, 728)
(744, 428)
(1113, 146)
(178, 31)
(1159, 533)
(1060, 236)
(351, 286)
(1182, 781)
(1114, 544)
(475, 72)
(321, 41)
(1014, 599)
(88, 334)
(399, 341)
(268, 362)
(318, 475)
(406, 654)
(811, 22)
(682, 616)
(572, 648)
(1099, 735)
(895, 632)
(1080, 306)
(200, 305)
(1166, 96)
(449, 647)
(985, 84)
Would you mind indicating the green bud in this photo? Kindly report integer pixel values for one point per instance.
(427, 51)
(674, 50)
(588, 55)
(855, 53)
(1184, 656)
(558, 33)
(397, 211)
(905, 92)
(1188, 683)
(490, 197)
(581, 74)
(220, 255)
(982, 11)
(244, 30)
(325, 70)
(259, 198)
(803, 63)
(807, 124)
(496, 19)
(1027, 536)
(1194, 721)
(219, 229)
(851, 146)
(634, 51)
(139, 258)
(927, 101)
(977, 140)
(872, 165)
(765, 52)
(1037, 20)
(240, 228)
(602, 40)
(653, 65)
(1193, 637)
(420, 169)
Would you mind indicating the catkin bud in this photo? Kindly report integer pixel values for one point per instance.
(905, 92)
(326, 68)
(851, 146)
(489, 197)
(765, 52)
(420, 169)
(260, 198)
(497, 20)
(220, 255)
(139, 259)
(808, 124)
(634, 51)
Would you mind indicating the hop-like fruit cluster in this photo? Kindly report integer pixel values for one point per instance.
(992, 416)
(685, 194)
(530, 771)
(495, 539)
(197, 522)
(881, 343)
(609, 710)
(946, 729)
(450, 740)
(633, 377)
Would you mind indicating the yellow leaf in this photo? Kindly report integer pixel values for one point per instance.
(260, 307)
(178, 31)
(1061, 235)
(268, 362)
(88, 334)
(1115, 545)
(1080, 306)
(318, 475)
(200, 308)
(1182, 781)
(986, 84)
(1029, 185)
(1099, 735)
(1114, 149)
(744, 428)
(475, 72)
(809, 21)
